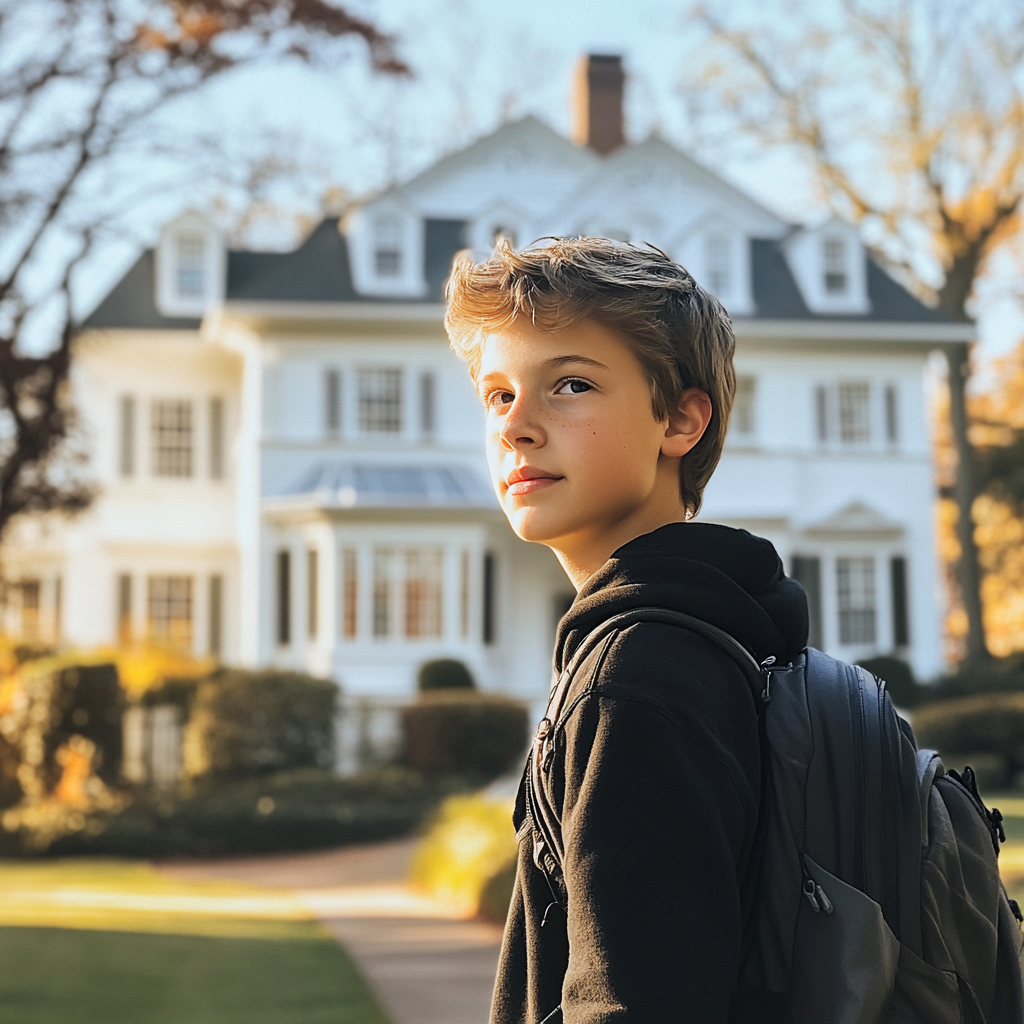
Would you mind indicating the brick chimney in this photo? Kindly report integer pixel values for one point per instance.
(597, 103)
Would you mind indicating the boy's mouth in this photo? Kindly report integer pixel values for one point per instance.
(527, 480)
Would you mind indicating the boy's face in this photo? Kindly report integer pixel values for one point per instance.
(577, 458)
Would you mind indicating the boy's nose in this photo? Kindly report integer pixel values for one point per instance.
(520, 430)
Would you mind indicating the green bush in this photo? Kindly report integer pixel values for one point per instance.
(986, 726)
(444, 674)
(253, 723)
(294, 810)
(56, 700)
(476, 735)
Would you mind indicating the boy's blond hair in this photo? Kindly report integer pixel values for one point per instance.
(680, 333)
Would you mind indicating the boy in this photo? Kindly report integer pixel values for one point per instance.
(606, 373)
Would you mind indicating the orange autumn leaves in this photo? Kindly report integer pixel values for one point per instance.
(997, 419)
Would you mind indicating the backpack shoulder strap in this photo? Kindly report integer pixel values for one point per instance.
(548, 854)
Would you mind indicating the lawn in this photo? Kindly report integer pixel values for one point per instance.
(116, 942)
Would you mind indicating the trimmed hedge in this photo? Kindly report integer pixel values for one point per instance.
(296, 810)
(459, 732)
(246, 724)
(987, 727)
(444, 674)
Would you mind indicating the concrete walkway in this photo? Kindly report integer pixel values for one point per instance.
(425, 964)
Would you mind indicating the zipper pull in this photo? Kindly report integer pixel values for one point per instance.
(816, 896)
(809, 888)
(766, 671)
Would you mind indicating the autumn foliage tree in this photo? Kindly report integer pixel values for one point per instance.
(83, 87)
(910, 116)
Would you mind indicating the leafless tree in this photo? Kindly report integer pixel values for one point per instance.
(83, 87)
(910, 115)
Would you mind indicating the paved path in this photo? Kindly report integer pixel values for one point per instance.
(426, 965)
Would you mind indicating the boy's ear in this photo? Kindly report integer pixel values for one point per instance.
(687, 423)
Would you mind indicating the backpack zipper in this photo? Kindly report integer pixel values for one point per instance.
(860, 782)
(890, 864)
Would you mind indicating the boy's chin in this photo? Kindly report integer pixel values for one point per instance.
(529, 526)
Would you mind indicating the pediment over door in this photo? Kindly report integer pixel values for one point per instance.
(857, 519)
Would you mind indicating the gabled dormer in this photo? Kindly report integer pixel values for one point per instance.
(830, 267)
(190, 266)
(497, 222)
(717, 252)
(386, 246)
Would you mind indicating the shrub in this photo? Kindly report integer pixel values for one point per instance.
(467, 855)
(988, 725)
(444, 674)
(467, 733)
(253, 723)
(60, 724)
(295, 810)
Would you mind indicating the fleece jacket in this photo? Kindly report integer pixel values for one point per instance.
(655, 780)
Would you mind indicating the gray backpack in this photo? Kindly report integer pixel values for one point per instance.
(878, 897)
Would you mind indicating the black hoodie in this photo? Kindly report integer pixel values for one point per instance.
(656, 781)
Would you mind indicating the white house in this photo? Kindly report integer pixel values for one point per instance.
(290, 458)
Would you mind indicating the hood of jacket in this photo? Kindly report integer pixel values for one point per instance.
(725, 576)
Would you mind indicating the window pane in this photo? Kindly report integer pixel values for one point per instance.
(423, 592)
(190, 278)
(834, 258)
(855, 579)
(743, 405)
(718, 260)
(349, 594)
(821, 404)
(172, 438)
(169, 611)
(380, 401)
(387, 253)
(854, 413)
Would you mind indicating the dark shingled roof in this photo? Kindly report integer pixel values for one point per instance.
(777, 295)
(132, 302)
(320, 271)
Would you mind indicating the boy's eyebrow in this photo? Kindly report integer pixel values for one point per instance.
(562, 360)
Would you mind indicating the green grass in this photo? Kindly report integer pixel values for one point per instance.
(116, 942)
(74, 976)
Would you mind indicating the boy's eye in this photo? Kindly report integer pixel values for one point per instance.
(574, 386)
(500, 398)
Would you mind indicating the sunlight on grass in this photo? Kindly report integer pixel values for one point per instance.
(117, 942)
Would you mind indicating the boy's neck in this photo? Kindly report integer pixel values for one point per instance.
(581, 557)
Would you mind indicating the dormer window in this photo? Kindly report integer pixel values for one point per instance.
(190, 265)
(504, 234)
(387, 251)
(718, 264)
(834, 260)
